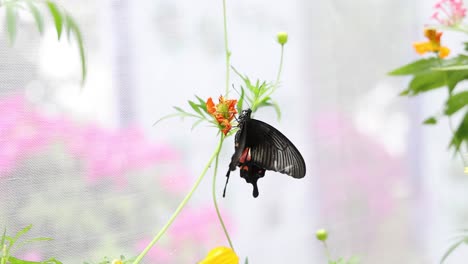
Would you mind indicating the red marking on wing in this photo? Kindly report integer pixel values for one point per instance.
(245, 156)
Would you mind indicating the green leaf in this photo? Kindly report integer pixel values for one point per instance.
(461, 134)
(58, 19)
(451, 68)
(22, 232)
(404, 93)
(202, 103)
(196, 108)
(11, 16)
(2, 243)
(277, 109)
(240, 102)
(37, 16)
(454, 77)
(426, 81)
(456, 102)
(430, 121)
(465, 45)
(178, 109)
(72, 27)
(354, 260)
(246, 261)
(13, 260)
(450, 250)
(38, 239)
(196, 123)
(419, 66)
(340, 261)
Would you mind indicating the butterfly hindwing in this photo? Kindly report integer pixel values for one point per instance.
(271, 150)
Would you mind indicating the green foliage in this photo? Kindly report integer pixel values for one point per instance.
(322, 236)
(417, 67)
(62, 20)
(434, 73)
(456, 102)
(258, 94)
(352, 260)
(200, 113)
(10, 243)
(11, 15)
(430, 121)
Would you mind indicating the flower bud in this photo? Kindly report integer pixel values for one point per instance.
(321, 234)
(282, 37)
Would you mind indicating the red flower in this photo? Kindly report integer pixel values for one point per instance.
(223, 112)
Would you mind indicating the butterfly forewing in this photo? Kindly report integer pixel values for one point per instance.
(272, 150)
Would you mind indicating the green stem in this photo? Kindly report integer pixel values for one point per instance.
(5, 254)
(449, 118)
(181, 205)
(275, 86)
(216, 203)
(278, 75)
(226, 48)
(327, 252)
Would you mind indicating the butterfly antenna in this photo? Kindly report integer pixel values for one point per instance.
(240, 95)
(234, 88)
(227, 180)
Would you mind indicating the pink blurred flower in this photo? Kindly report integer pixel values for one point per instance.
(449, 12)
(105, 153)
(31, 256)
(365, 171)
(22, 131)
(110, 153)
(200, 225)
(177, 182)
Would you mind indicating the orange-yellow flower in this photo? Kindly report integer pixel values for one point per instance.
(433, 45)
(221, 255)
(223, 112)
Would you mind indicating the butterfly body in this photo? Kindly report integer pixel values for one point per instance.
(260, 147)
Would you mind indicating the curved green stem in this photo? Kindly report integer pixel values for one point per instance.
(257, 100)
(216, 203)
(181, 205)
(226, 48)
(449, 118)
(327, 251)
(278, 75)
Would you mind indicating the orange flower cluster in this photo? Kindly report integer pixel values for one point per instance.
(223, 112)
(221, 255)
(433, 45)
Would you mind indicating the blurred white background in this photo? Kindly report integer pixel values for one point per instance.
(385, 186)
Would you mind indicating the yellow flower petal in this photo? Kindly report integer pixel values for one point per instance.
(221, 255)
(422, 47)
(444, 52)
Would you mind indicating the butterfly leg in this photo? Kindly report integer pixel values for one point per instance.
(225, 185)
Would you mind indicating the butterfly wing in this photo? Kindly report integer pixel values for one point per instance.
(271, 150)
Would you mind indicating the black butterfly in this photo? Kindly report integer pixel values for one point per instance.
(260, 147)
